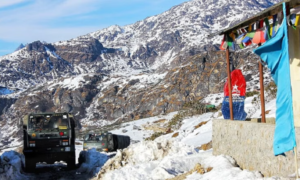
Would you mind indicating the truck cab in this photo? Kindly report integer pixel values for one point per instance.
(48, 137)
(105, 141)
(100, 141)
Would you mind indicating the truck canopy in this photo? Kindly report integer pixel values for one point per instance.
(121, 142)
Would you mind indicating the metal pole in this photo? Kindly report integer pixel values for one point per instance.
(262, 92)
(229, 83)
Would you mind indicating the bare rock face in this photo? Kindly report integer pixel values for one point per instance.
(33, 64)
(60, 98)
(84, 50)
(5, 104)
(35, 46)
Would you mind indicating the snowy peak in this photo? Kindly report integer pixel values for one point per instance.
(193, 20)
(21, 46)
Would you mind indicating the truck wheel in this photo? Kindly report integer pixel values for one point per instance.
(29, 164)
(71, 162)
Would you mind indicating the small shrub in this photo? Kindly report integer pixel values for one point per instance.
(271, 89)
(254, 100)
(251, 93)
(209, 169)
(206, 146)
(211, 109)
(199, 108)
(160, 121)
(154, 136)
(175, 122)
(175, 134)
(200, 124)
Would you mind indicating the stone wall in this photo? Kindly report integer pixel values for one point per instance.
(251, 145)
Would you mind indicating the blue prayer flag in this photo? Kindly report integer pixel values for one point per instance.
(246, 39)
(275, 52)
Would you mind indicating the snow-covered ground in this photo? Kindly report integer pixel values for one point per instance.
(167, 156)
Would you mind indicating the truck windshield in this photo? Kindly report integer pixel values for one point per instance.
(95, 137)
(49, 123)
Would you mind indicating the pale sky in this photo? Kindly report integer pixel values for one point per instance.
(25, 21)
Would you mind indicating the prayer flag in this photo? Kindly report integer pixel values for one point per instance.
(258, 37)
(222, 44)
(297, 20)
(267, 35)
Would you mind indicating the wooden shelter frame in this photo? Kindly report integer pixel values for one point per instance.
(263, 14)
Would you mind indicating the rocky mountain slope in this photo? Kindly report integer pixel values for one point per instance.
(151, 67)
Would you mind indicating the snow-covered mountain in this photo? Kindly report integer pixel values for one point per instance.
(151, 67)
(149, 44)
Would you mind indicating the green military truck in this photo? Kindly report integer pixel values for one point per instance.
(49, 137)
(105, 141)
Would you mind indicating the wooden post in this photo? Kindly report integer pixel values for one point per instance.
(229, 83)
(262, 91)
(262, 94)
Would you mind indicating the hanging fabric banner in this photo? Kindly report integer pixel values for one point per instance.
(275, 53)
(238, 86)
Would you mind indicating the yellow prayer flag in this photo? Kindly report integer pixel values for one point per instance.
(232, 36)
(271, 30)
(297, 19)
(250, 28)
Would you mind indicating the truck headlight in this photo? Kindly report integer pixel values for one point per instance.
(67, 149)
(33, 135)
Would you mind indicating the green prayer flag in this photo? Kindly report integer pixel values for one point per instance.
(267, 27)
(250, 34)
(229, 40)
